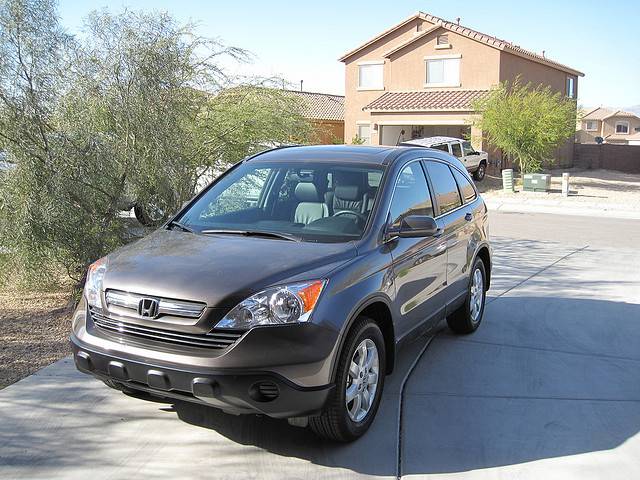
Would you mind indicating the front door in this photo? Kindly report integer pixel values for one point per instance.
(457, 225)
(419, 264)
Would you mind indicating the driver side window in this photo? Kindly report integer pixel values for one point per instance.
(411, 195)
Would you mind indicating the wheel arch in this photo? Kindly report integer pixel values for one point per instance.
(377, 308)
(484, 254)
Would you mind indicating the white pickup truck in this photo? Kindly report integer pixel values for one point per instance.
(473, 160)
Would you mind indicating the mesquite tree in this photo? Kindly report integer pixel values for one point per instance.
(526, 122)
(129, 113)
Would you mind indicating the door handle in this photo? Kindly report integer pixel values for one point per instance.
(468, 217)
(441, 247)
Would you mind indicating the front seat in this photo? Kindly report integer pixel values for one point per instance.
(350, 192)
(310, 207)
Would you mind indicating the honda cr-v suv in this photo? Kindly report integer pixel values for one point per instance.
(286, 287)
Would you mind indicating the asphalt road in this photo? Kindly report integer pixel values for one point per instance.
(549, 387)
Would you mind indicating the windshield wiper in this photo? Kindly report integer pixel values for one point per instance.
(181, 226)
(254, 233)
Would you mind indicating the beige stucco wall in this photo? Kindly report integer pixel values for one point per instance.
(513, 66)
(354, 99)
(406, 70)
(481, 67)
(609, 125)
(536, 73)
(588, 136)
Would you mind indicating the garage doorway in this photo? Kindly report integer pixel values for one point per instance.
(393, 134)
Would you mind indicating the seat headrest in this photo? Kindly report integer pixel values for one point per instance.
(349, 185)
(348, 192)
(306, 192)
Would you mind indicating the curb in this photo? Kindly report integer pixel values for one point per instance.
(586, 210)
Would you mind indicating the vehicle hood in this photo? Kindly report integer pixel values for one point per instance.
(221, 270)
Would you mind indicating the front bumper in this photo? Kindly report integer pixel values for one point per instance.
(237, 393)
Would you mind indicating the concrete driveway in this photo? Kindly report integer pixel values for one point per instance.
(549, 387)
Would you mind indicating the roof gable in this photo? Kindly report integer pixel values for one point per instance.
(409, 41)
(602, 113)
(488, 40)
(380, 36)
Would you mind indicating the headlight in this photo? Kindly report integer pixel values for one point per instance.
(93, 287)
(275, 306)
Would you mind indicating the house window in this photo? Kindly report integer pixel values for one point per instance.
(370, 76)
(571, 90)
(591, 126)
(442, 39)
(622, 127)
(443, 72)
(364, 133)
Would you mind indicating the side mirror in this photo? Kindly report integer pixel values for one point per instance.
(415, 226)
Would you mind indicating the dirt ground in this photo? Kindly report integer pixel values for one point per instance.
(593, 186)
(34, 332)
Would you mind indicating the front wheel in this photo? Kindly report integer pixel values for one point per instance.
(480, 172)
(352, 406)
(467, 318)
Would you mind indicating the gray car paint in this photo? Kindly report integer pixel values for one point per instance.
(223, 270)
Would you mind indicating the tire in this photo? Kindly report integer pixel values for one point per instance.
(480, 172)
(468, 317)
(336, 423)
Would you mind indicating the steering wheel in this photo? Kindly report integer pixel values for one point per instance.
(361, 218)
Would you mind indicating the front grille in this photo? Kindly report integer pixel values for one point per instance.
(213, 339)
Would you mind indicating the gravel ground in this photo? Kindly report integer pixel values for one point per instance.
(605, 187)
(34, 332)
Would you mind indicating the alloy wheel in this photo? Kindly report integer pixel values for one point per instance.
(477, 295)
(362, 380)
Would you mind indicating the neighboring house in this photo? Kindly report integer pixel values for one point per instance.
(420, 77)
(326, 114)
(613, 126)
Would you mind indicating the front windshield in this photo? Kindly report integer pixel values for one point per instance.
(315, 202)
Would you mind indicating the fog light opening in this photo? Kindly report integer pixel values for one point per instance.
(264, 391)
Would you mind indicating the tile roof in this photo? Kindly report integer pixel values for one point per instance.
(320, 106)
(427, 100)
(602, 113)
(472, 34)
(627, 137)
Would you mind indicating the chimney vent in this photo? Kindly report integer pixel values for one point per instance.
(458, 20)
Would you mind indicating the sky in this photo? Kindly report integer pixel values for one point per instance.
(303, 40)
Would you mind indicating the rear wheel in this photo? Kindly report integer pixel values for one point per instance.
(467, 318)
(480, 172)
(353, 404)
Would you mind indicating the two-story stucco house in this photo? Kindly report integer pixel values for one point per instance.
(420, 77)
(613, 126)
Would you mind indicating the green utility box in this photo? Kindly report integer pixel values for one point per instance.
(536, 182)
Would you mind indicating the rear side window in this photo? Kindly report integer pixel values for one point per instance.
(456, 150)
(443, 146)
(411, 196)
(466, 189)
(444, 186)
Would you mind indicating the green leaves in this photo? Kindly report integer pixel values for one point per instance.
(132, 112)
(527, 122)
